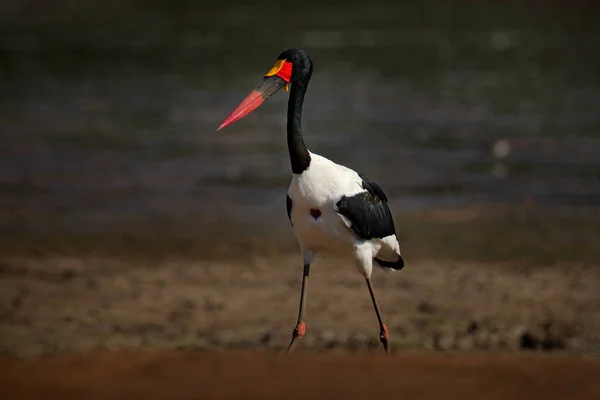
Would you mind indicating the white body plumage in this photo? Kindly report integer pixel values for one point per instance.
(321, 187)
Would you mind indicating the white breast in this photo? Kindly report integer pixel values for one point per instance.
(320, 187)
(324, 182)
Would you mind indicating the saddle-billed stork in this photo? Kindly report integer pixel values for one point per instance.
(331, 208)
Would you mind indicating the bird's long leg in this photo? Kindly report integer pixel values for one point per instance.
(383, 335)
(300, 329)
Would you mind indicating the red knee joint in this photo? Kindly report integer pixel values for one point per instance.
(384, 333)
(300, 330)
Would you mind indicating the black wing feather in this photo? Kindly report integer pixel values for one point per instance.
(373, 188)
(368, 212)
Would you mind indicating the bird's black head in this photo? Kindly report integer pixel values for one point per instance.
(301, 63)
(292, 66)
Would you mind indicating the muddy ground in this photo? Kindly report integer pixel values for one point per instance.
(246, 375)
(154, 327)
(52, 305)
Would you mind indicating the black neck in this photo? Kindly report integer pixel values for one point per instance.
(299, 155)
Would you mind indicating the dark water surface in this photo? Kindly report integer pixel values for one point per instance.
(108, 111)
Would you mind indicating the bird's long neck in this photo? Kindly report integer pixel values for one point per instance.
(299, 155)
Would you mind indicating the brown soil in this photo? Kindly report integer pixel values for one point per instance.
(124, 318)
(54, 305)
(232, 375)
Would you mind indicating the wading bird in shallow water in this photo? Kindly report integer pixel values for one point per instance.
(331, 208)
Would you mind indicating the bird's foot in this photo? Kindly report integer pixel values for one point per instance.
(383, 338)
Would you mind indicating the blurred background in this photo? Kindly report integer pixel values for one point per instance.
(480, 119)
(109, 109)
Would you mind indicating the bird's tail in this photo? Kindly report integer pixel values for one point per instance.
(388, 265)
(389, 257)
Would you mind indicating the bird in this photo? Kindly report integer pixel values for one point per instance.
(331, 208)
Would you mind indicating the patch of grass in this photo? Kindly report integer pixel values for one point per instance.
(253, 180)
(21, 188)
(96, 140)
(171, 151)
(516, 234)
(437, 189)
(140, 246)
(515, 167)
(436, 321)
(511, 235)
(440, 141)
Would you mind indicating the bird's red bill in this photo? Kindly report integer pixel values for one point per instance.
(249, 104)
(268, 87)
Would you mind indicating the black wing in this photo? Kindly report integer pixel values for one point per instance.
(373, 187)
(368, 211)
(288, 203)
